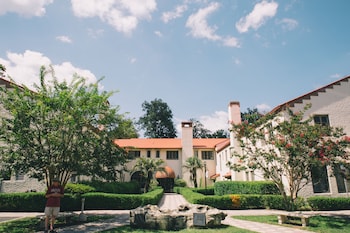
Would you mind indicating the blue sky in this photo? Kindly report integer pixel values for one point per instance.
(195, 55)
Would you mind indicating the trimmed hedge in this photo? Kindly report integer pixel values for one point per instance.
(207, 191)
(35, 202)
(329, 203)
(236, 201)
(121, 201)
(245, 187)
(78, 188)
(115, 187)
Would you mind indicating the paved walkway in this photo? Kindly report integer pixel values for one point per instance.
(172, 201)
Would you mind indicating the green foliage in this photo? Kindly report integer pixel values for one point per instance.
(205, 191)
(121, 201)
(60, 128)
(180, 183)
(188, 194)
(22, 202)
(78, 188)
(35, 202)
(157, 120)
(292, 146)
(147, 167)
(329, 203)
(245, 187)
(114, 187)
(192, 164)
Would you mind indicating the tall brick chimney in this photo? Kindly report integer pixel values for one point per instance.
(187, 147)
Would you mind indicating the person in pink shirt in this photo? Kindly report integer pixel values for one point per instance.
(53, 194)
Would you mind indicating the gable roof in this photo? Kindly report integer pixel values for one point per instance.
(170, 143)
(307, 96)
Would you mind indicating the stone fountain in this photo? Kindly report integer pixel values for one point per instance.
(185, 216)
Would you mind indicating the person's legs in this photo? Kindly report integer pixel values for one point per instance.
(47, 217)
(55, 211)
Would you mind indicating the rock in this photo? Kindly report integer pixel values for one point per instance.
(151, 217)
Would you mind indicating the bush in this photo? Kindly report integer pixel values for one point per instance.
(32, 202)
(207, 191)
(114, 187)
(121, 201)
(78, 188)
(329, 203)
(189, 195)
(180, 183)
(245, 187)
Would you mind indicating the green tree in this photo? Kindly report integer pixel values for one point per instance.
(198, 129)
(147, 167)
(59, 129)
(291, 147)
(192, 164)
(200, 132)
(157, 120)
(251, 115)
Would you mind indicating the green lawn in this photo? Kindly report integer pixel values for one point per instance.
(29, 225)
(320, 224)
(223, 229)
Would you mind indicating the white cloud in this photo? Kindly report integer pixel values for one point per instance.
(170, 15)
(123, 15)
(198, 23)
(199, 27)
(216, 121)
(288, 24)
(133, 60)
(158, 33)
(64, 39)
(95, 33)
(263, 108)
(25, 8)
(237, 61)
(335, 76)
(231, 42)
(261, 13)
(24, 68)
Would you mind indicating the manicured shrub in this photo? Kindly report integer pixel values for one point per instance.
(188, 194)
(115, 187)
(121, 201)
(78, 188)
(31, 202)
(207, 191)
(180, 183)
(245, 187)
(329, 203)
(220, 202)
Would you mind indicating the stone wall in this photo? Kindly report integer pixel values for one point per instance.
(25, 185)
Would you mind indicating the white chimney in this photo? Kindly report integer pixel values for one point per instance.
(187, 146)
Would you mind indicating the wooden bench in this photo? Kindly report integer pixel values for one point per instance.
(284, 218)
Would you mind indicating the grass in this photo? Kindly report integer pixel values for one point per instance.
(222, 229)
(29, 225)
(321, 224)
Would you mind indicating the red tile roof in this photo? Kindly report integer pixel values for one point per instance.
(300, 99)
(169, 143)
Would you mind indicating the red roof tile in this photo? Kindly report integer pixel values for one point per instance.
(169, 143)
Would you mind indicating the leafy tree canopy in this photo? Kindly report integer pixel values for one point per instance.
(287, 147)
(61, 128)
(157, 122)
(200, 132)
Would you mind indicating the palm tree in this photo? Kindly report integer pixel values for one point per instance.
(192, 164)
(147, 167)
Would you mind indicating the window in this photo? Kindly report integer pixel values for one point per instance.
(157, 154)
(172, 155)
(319, 177)
(20, 176)
(207, 155)
(148, 154)
(133, 154)
(321, 119)
(340, 174)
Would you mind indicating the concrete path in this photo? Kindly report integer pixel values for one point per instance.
(172, 201)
